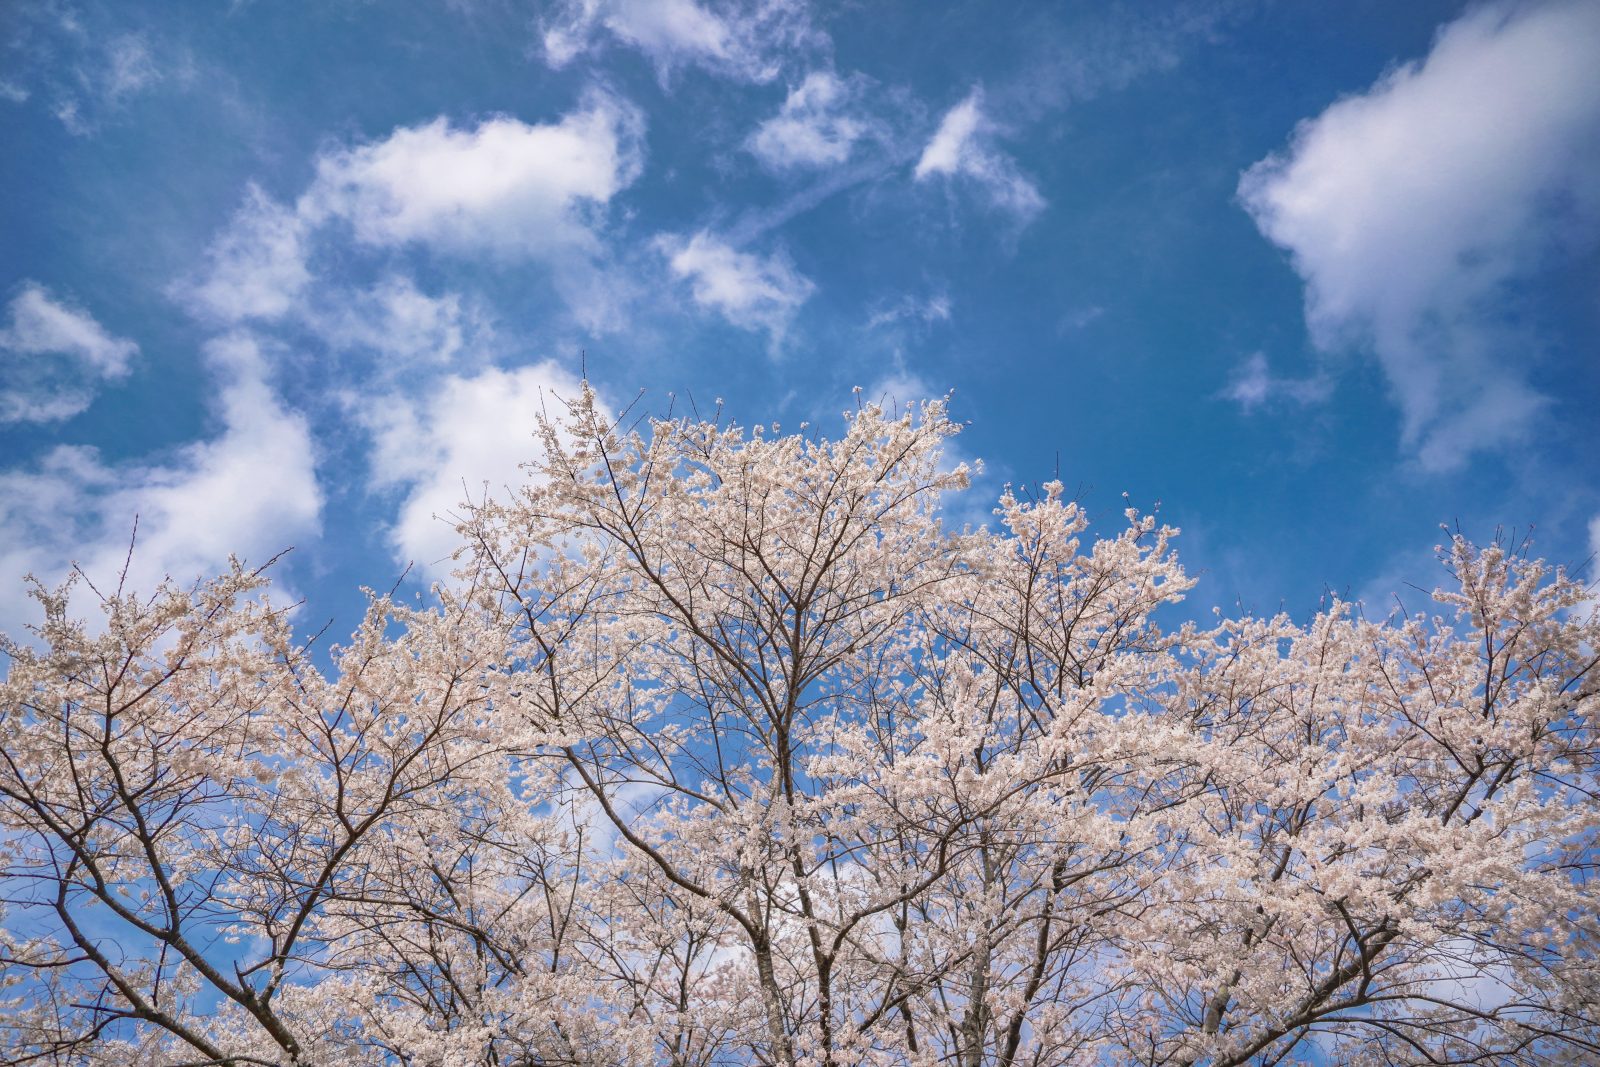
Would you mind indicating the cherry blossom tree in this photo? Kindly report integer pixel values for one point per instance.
(723, 749)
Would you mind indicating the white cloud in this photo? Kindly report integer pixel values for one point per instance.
(752, 292)
(110, 73)
(510, 190)
(86, 68)
(40, 323)
(53, 356)
(901, 390)
(810, 129)
(908, 308)
(748, 40)
(1253, 384)
(1116, 46)
(404, 324)
(892, 329)
(1591, 606)
(251, 491)
(506, 188)
(942, 155)
(129, 67)
(1410, 208)
(257, 264)
(464, 438)
(963, 147)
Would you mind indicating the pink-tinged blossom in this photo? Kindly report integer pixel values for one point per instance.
(722, 749)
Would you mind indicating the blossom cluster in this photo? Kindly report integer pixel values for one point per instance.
(723, 749)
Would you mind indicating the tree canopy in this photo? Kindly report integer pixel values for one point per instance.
(723, 749)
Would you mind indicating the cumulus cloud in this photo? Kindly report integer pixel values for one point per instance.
(1410, 209)
(811, 129)
(963, 148)
(54, 355)
(747, 40)
(511, 191)
(251, 490)
(503, 186)
(515, 190)
(1253, 385)
(751, 292)
(461, 441)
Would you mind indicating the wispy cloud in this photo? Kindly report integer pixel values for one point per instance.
(85, 70)
(404, 325)
(813, 128)
(1106, 48)
(746, 40)
(911, 308)
(110, 73)
(1253, 385)
(900, 390)
(750, 291)
(54, 356)
(963, 149)
(1411, 208)
(130, 67)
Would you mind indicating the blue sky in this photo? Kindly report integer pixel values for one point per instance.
(1316, 277)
